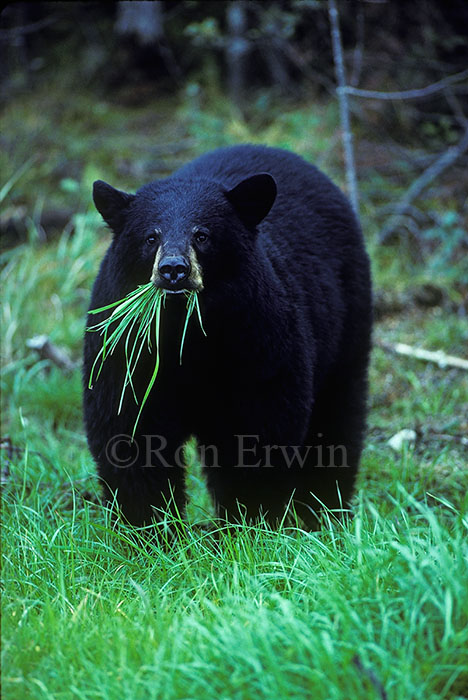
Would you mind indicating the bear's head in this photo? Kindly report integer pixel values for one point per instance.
(186, 234)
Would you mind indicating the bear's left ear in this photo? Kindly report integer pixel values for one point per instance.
(111, 203)
(253, 198)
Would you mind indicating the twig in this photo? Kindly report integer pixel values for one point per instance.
(437, 356)
(28, 28)
(408, 94)
(344, 106)
(454, 103)
(461, 439)
(371, 676)
(314, 77)
(48, 351)
(439, 165)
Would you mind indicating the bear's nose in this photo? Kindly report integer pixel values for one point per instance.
(174, 269)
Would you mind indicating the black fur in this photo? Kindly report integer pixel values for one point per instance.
(286, 306)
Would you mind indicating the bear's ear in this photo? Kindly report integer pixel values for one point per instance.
(110, 203)
(253, 198)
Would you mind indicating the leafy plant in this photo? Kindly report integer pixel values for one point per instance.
(446, 239)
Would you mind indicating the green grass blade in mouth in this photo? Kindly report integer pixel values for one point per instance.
(128, 361)
(132, 321)
(126, 313)
(144, 336)
(91, 374)
(190, 304)
(156, 366)
(121, 302)
(197, 304)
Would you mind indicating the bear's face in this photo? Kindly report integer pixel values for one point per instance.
(183, 234)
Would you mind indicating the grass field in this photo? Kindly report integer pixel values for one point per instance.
(374, 608)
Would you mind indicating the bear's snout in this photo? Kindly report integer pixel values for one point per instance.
(174, 269)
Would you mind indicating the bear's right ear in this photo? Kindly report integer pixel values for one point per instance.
(253, 198)
(111, 203)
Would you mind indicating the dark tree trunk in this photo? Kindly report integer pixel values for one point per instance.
(236, 51)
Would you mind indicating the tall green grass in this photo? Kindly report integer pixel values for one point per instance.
(376, 606)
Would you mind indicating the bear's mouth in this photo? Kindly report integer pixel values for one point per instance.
(182, 288)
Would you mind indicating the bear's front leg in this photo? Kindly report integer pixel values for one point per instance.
(146, 476)
(248, 478)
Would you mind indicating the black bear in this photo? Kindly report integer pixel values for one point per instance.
(275, 392)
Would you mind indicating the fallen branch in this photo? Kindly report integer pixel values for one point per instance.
(439, 165)
(48, 351)
(437, 356)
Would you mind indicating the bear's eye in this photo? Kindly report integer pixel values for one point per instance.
(153, 237)
(200, 235)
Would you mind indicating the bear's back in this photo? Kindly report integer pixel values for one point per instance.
(231, 164)
(309, 206)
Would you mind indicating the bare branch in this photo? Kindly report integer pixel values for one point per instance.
(438, 357)
(457, 109)
(48, 351)
(28, 28)
(341, 90)
(408, 94)
(439, 165)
